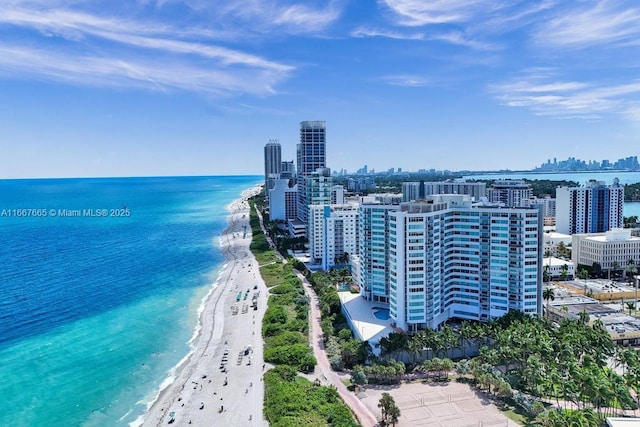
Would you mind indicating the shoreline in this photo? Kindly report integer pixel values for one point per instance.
(196, 391)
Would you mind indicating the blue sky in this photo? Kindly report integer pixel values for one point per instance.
(197, 87)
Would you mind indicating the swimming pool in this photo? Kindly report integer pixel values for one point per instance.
(381, 313)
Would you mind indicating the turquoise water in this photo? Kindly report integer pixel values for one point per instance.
(381, 313)
(96, 311)
(632, 209)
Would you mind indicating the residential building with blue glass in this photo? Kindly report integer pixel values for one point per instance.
(451, 259)
(594, 208)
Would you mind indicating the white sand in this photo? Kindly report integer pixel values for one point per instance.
(198, 395)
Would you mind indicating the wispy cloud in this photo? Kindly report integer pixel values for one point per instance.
(452, 37)
(405, 80)
(84, 48)
(460, 39)
(362, 32)
(306, 19)
(567, 99)
(467, 23)
(281, 16)
(420, 12)
(592, 23)
(134, 71)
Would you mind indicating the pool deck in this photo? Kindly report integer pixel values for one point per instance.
(365, 325)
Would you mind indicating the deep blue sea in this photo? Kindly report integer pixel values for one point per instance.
(96, 311)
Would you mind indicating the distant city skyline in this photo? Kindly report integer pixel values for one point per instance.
(573, 164)
(186, 87)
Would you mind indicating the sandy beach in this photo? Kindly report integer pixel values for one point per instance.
(220, 383)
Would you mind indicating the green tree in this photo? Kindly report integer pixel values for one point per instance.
(358, 377)
(596, 269)
(630, 270)
(464, 334)
(389, 409)
(463, 366)
(393, 344)
(548, 295)
(615, 267)
(631, 306)
(449, 338)
(584, 275)
(415, 346)
(583, 317)
(546, 274)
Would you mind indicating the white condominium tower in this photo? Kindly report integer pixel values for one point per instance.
(411, 191)
(513, 193)
(334, 237)
(477, 190)
(595, 208)
(311, 152)
(272, 164)
(318, 193)
(448, 259)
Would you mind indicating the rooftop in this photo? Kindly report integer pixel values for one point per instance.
(360, 315)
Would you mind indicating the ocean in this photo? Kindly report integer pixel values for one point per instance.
(101, 281)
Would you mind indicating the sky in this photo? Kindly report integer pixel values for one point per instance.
(198, 87)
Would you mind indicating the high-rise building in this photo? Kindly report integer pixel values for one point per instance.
(594, 208)
(445, 258)
(477, 190)
(373, 250)
(512, 193)
(272, 164)
(337, 195)
(318, 193)
(334, 234)
(311, 155)
(283, 201)
(288, 169)
(548, 209)
(411, 191)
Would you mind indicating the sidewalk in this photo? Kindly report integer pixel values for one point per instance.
(323, 369)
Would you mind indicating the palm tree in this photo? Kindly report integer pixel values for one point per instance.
(583, 317)
(393, 344)
(584, 274)
(564, 272)
(615, 266)
(630, 269)
(562, 250)
(415, 346)
(548, 294)
(465, 333)
(389, 409)
(449, 338)
(546, 275)
(630, 306)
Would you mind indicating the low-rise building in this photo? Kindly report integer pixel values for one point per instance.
(552, 241)
(613, 250)
(558, 269)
